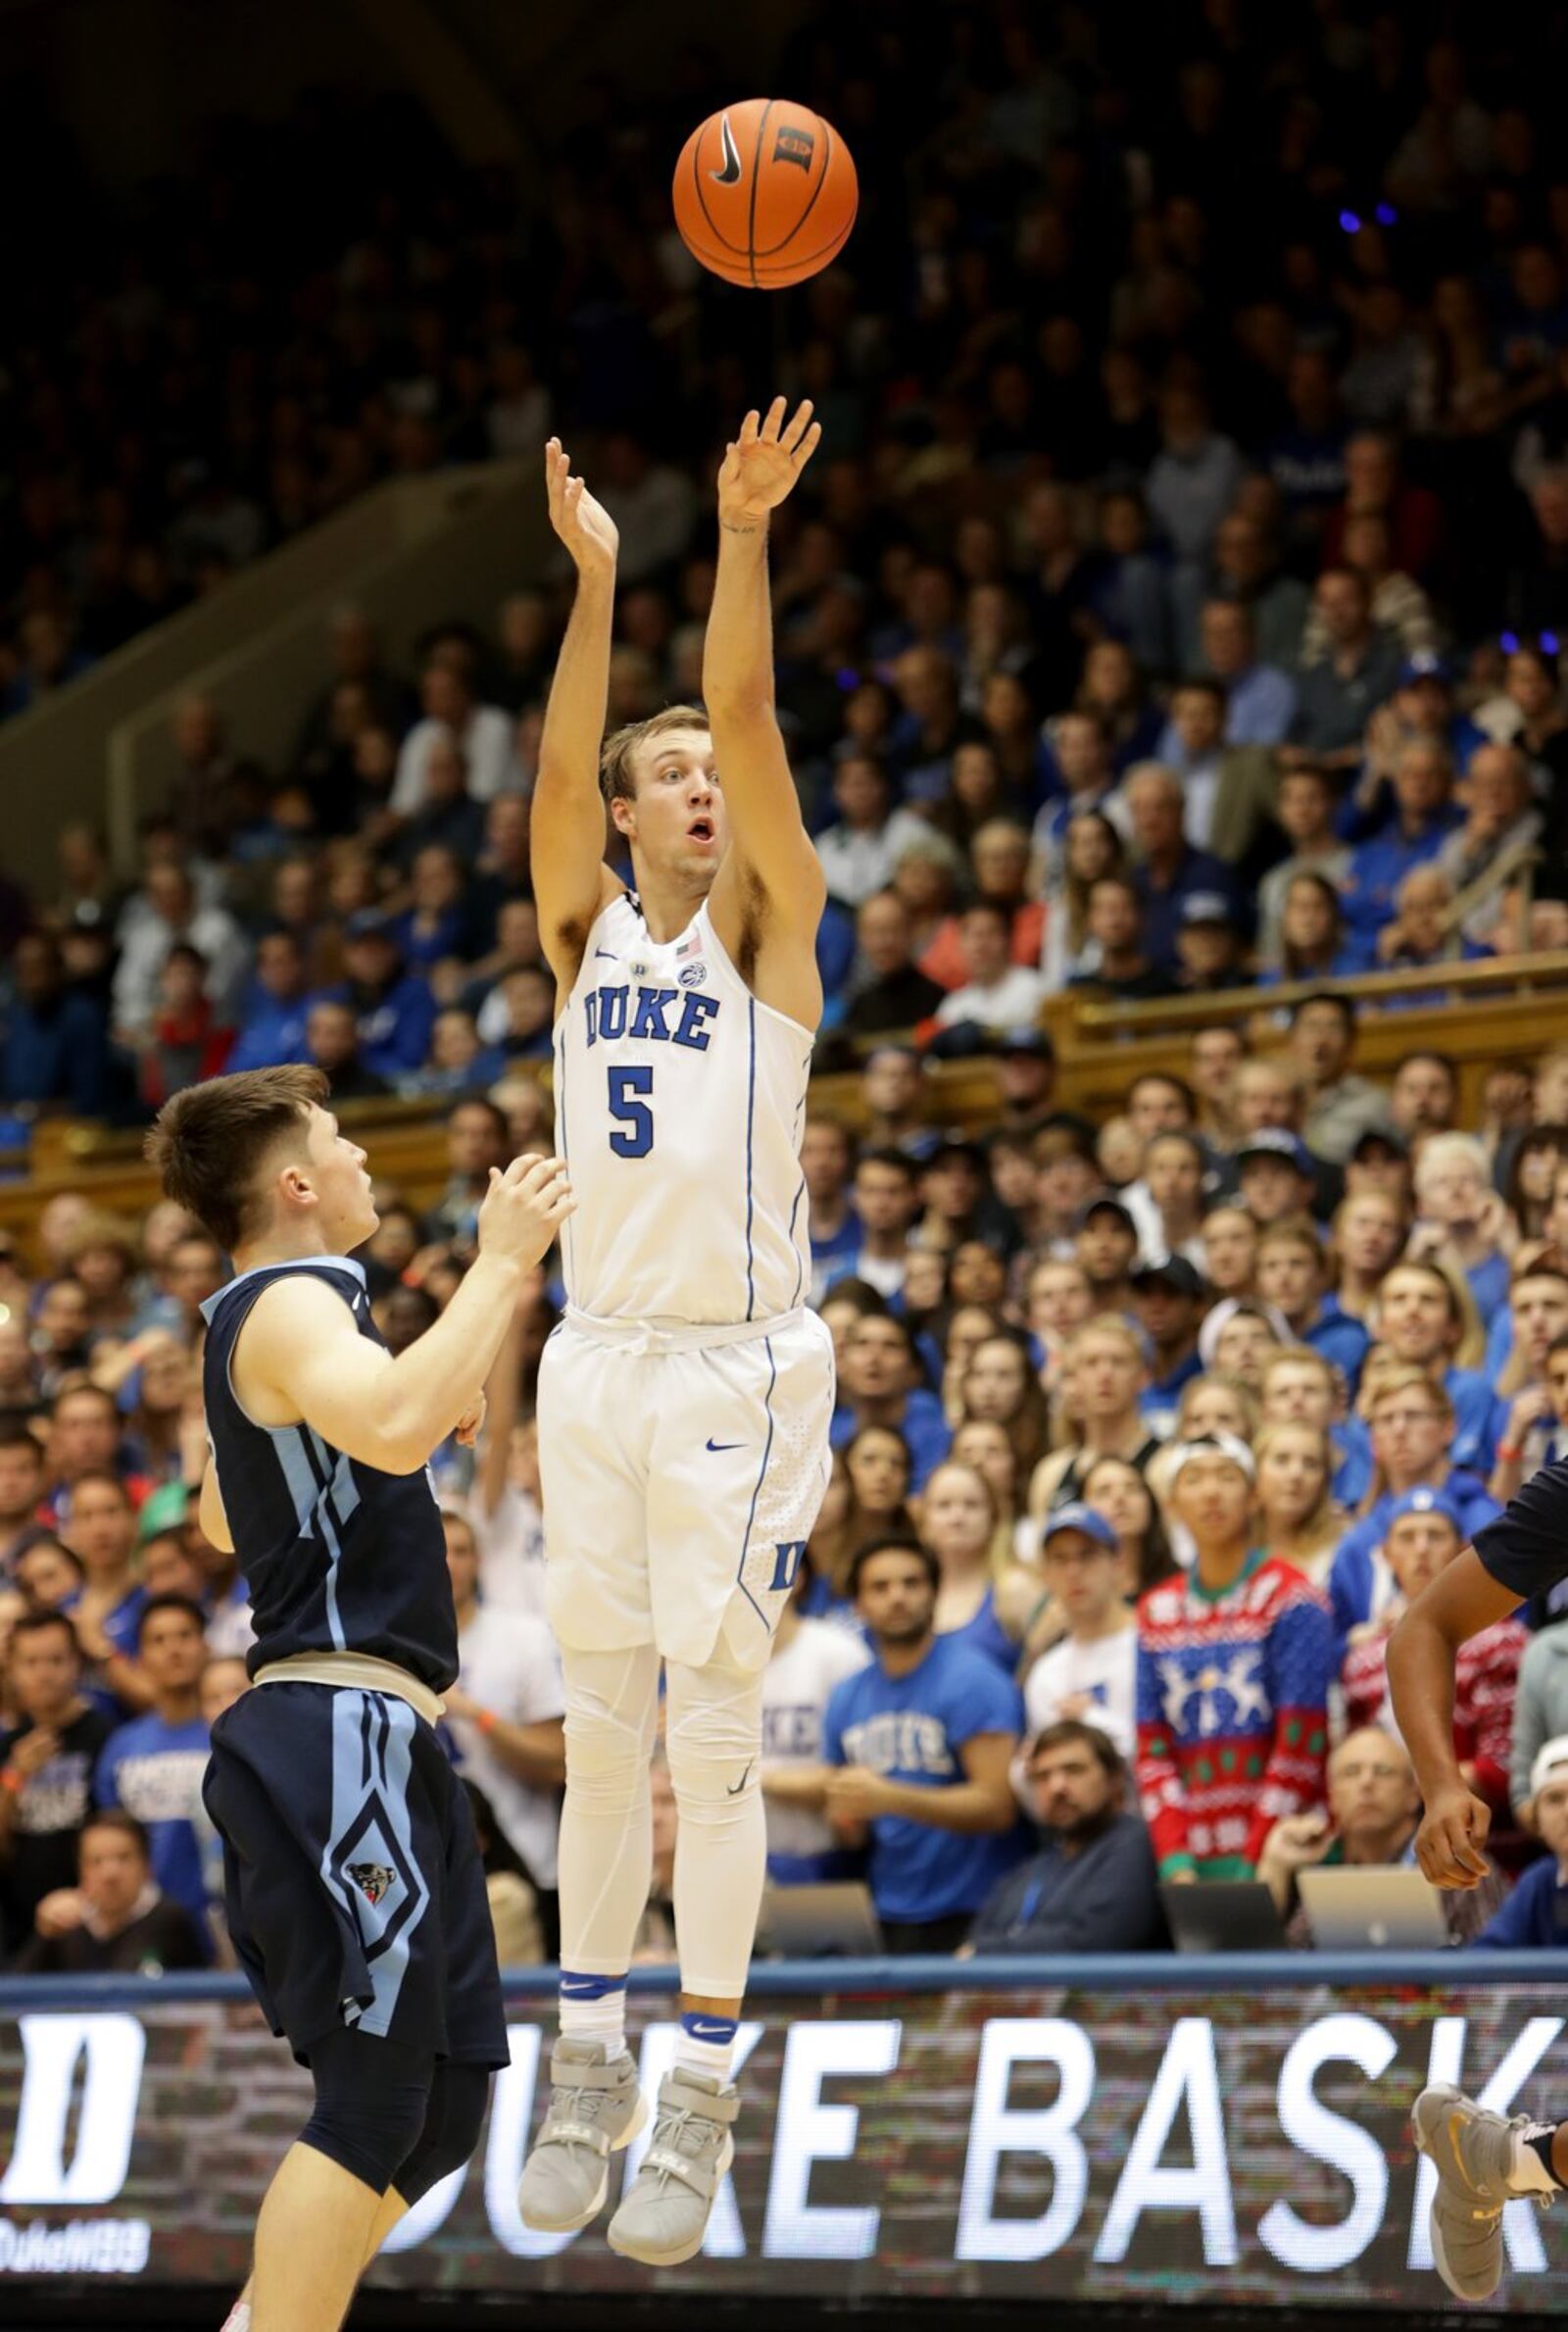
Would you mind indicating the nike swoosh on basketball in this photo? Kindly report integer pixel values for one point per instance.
(730, 175)
(725, 1445)
(741, 1784)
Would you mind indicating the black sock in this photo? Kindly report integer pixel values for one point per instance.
(1540, 2144)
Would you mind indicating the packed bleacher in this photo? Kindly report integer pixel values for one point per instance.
(1173, 607)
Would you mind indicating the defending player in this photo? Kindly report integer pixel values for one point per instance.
(684, 1402)
(355, 1894)
(1483, 2160)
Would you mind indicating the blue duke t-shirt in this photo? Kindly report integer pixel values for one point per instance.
(911, 1729)
(154, 1771)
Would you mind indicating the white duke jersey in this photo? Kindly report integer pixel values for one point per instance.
(680, 1102)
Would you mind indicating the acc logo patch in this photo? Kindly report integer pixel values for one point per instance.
(691, 976)
(794, 145)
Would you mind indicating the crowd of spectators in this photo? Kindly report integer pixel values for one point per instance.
(1172, 606)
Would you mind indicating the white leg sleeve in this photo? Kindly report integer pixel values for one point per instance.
(713, 1738)
(606, 1839)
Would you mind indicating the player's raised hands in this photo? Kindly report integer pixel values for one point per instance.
(524, 1208)
(763, 465)
(583, 524)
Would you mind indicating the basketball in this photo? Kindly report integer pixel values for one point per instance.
(765, 193)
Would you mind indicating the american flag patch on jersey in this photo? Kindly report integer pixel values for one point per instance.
(691, 945)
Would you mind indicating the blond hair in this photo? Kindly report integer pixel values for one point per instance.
(617, 780)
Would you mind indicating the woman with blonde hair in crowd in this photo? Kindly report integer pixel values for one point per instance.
(1105, 1369)
(985, 1445)
(1298, 1521)
(958, 1521)
(1367, 1236)
(1000, 1387)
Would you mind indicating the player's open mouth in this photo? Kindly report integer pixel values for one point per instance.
(701, 830)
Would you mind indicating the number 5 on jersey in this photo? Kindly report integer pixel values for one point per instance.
(633, 1136)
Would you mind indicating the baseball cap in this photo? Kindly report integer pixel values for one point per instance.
(1276, 1141)
(367, 923)
(1206, 1445)
(1101, 1206)
(1425, 664)
(1547, 1760)
(1075, 1516)
(1206, 906)
(1175, 1273)
(1380, 1137)
(1423, 1501)
(1029, 1044)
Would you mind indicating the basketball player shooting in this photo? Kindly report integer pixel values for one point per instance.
(685, 1399)
(355, 1892)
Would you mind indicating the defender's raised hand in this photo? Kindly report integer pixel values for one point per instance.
(583, 524)
(524, 1208)
(763, 465)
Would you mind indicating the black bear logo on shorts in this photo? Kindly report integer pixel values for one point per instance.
(794, 145)
(374, 1879)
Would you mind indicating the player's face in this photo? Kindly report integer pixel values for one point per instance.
(677, 822)
(340, 1182)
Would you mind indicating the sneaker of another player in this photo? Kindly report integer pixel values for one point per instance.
(664, 2218)
(596, 2108)
(1472, 2152)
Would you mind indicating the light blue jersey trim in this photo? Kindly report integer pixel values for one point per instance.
(761, 1476)
(292, 1262)
(372, 1738)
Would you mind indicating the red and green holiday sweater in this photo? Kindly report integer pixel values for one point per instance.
(1232, 1713)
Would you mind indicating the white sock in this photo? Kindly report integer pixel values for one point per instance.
(705, 2045)
(594, 2008)
(1526, 2170)
(239, 2319)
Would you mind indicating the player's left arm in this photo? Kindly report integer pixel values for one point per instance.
(1463, 1598)
(770, 851)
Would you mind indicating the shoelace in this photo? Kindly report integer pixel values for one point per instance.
(678, 2131)
(571, 2105)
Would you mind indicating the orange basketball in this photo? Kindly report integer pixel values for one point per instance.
(765, 193)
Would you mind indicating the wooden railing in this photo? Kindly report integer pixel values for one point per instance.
(1503, 1012)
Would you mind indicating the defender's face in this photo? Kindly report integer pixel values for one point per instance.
(676, 822)
(340, 1180)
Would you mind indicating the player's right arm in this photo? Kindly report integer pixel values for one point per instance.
(567, 821)
(301, 1359)
(1463, 1600)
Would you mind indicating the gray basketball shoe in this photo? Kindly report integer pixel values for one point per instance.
(664, 2217)
(596, 2108)
(1472, 2152)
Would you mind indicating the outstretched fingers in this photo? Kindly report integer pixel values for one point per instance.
(800, 427)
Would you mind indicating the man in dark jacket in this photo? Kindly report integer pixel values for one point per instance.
(1092, 1886)
(119, 1921)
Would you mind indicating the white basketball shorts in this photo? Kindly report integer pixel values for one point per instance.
(682, 1471)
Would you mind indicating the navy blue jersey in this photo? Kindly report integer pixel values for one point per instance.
(1527, 1547)
(337, 1556)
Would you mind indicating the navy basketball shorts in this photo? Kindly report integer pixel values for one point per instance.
(354, 1887)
